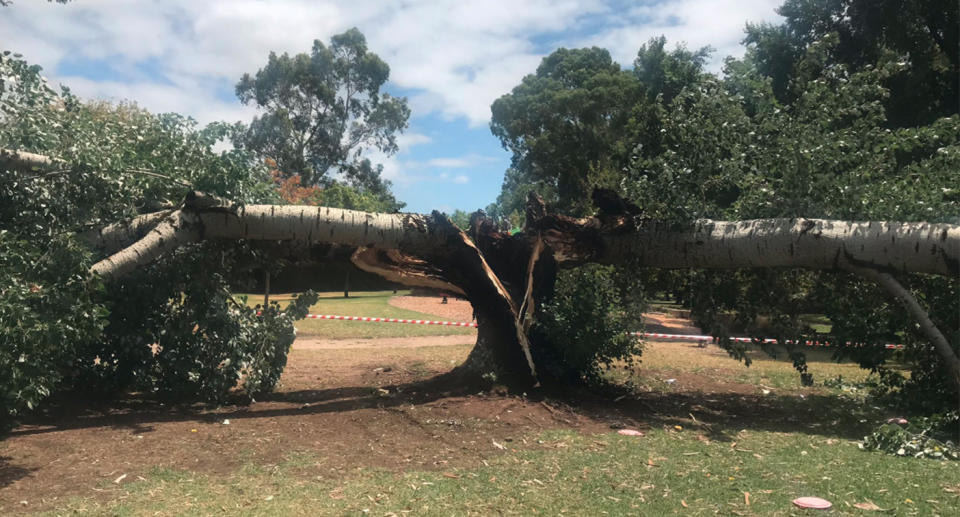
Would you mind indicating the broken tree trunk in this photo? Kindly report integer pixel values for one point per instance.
(493, 270)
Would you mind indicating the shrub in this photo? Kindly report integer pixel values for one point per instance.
(586, 326)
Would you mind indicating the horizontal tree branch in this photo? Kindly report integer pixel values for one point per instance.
(175, 230)
(806, 243)
(114, 237)
(26, 162)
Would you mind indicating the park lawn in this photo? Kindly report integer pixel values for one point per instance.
(361, 303)
(668, 471)
(667, 360)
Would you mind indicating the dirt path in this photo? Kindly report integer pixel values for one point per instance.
(460, 310)
(453, 310)
(668, 323)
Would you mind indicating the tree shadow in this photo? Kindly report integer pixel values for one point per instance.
(140, 414)
(718, 415)
(10, 473)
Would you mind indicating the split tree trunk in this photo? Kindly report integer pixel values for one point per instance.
(415, 249)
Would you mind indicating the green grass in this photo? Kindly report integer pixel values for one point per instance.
(362, 303)
(663, 473)
(660, 361)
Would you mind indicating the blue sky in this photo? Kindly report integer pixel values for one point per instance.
(451, 59)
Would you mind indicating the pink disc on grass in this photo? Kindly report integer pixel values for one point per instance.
(812, 502)
(630, 432)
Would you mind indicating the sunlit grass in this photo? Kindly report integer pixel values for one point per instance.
(361, 303)
(661, 360)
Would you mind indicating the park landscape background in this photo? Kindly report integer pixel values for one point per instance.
(122, 397)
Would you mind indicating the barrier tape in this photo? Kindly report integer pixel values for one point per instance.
(391, 320)
(694, 337)
(651, 335)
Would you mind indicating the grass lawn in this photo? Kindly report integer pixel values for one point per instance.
(361, 303)
(665, 361)
(666, 472)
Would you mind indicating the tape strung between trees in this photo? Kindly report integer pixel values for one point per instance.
(498, 272)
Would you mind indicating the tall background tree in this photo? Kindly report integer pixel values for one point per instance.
(320, 112)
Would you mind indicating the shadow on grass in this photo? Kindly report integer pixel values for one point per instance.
(10, 473)
(721, 415)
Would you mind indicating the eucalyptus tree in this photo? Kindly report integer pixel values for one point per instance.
(320, 112)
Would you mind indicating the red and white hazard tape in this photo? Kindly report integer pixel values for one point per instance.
(694, 337)
(391, 320)
(651, 335)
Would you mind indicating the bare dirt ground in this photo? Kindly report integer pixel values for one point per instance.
(668, 323)
(349, 406)
(453, 310)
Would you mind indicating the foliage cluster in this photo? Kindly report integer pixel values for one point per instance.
(176, 330)
(922, 437)
(586, 326)
(829, 115)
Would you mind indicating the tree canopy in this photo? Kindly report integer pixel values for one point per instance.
(320, 112)
(817, 120)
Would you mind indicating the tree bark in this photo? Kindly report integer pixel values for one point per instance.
(932, 248)
(927, 327)
(25, 162)
(117, 236)
(175, 230)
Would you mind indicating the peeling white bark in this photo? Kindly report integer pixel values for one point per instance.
(114, 237)
(806, 243)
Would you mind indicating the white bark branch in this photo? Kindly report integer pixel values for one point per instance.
(175, 230)
(321, 224)
(929, 329)
(806, 243)
(114, 237)
(26, 162)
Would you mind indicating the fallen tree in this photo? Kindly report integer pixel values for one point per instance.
(504, 275)
(501, 274)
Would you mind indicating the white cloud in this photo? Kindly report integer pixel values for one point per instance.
(462, 178)
(449, 163)
(697, 23)
(409, 139)
(453, 57)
